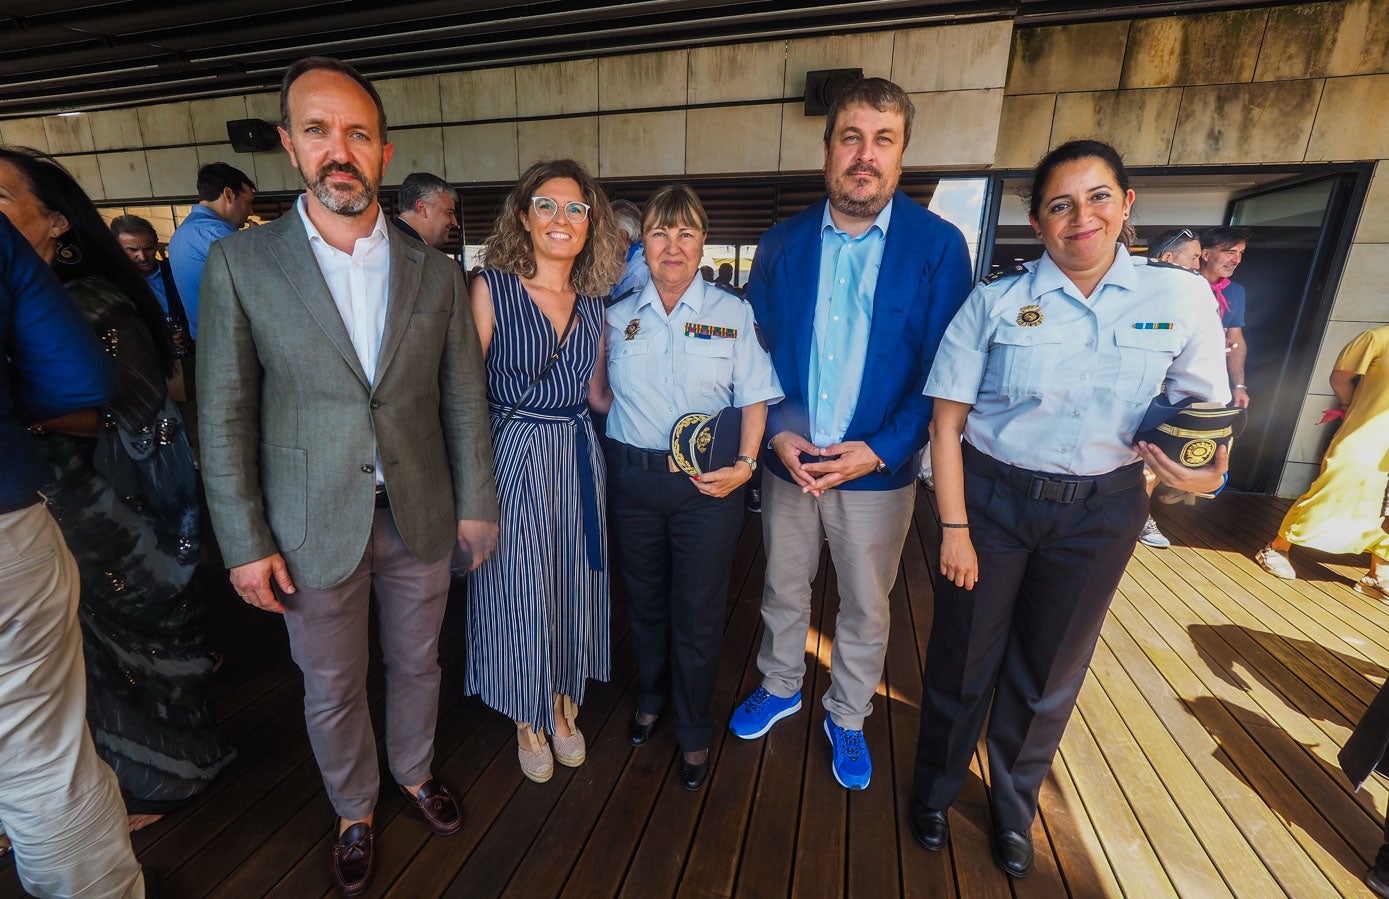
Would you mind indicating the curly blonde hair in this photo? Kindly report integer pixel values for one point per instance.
(599, 264)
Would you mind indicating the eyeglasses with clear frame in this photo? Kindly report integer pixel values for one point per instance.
(546, 208)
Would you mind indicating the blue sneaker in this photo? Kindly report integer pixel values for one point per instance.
(852, 765)
(760, 711)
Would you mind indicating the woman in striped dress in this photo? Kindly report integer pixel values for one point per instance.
(538, 607)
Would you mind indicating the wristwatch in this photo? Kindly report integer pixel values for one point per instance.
(752, 463)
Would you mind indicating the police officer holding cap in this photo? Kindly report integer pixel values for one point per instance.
(1046, 373)
(677, 346)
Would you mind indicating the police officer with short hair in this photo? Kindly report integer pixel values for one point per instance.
(679, 345)
(1046, 374)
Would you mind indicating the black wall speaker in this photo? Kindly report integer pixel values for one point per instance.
(252, 135)
(823, 86)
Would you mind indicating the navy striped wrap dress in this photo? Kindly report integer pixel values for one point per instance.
(538, 608)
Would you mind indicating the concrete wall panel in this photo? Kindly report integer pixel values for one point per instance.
(210, 117)
(478, 94)
(1362, 296)
(166, 125)
(557, 88)
(643, 80)
(641, 143)
(1374, 218)
(173, 172)
(1317, 40)
(802, 139)
(871, 51)
(1139, 123)
(575, 138)
(954, 128)
(734, 72)
(25, 133)
(955, 57)
(87, 172)
(1217, 48)
(410, 101)
(68, 133)
(125, 176)
(1024, 130)
(1087, 57)
(479, 153)
(114, 129)
(734, 139)
(1353, 120)
(1245, 123)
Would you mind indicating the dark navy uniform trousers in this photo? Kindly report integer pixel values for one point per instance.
(675, 546)
(1017, 647)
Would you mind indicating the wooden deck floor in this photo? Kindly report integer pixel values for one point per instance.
(1200, 762)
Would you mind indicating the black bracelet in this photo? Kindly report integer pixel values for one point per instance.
(951, 524)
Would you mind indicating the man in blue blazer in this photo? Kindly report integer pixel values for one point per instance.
(852, 296)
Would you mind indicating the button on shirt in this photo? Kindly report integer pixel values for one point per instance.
(843, 317)
(360, 284)
(701, 357)
(1066, 394)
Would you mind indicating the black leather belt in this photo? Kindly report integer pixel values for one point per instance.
(383, 499)
(18, 505)
(1049, 486)
(636, 457)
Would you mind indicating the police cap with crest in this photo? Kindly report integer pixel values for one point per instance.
(1189, 431)
(702, 442)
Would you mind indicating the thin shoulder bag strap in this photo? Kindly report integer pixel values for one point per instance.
(549, 363)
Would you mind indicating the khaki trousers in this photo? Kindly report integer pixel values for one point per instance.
(865, 530)
(59, 803)
(328, 640)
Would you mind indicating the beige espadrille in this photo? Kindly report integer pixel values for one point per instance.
(570, 751)
(536, 761)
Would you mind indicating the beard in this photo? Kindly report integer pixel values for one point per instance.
(841, 190)
(340, 198)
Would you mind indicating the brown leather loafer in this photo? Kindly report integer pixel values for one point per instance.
(437, 805)
(350, 864)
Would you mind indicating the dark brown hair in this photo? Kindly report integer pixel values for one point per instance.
(878, 93)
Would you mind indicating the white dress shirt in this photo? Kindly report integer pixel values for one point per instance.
(359, 283)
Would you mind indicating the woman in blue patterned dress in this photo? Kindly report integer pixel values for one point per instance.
(538, 607)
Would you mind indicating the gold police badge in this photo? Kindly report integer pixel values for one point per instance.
(1197, 453)
(632, 329)
(1030, 315)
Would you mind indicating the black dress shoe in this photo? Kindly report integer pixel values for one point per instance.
(350, 863)
(1013, 852)
(753, 501)
(692, 776)
(930, 827)
(638, 734)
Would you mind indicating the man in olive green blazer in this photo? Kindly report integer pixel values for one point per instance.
(346, 445)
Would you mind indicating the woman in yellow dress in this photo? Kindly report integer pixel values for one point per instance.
(1342, 512)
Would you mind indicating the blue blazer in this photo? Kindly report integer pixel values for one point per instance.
(924, 278)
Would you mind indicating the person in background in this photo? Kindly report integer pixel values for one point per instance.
(60, 804)
(538, 625)
(428, 208)
(1222, 251)
(123, 488)
(225, 197)
(628, 217)
(1181, 248)
(1339, 513)
(1046, 373)
(680, 345)
(852, 296)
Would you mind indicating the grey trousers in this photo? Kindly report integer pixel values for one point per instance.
(59, 802)
(865, 530)
(328, 640)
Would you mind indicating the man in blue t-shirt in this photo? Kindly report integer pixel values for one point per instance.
(225, 195)
(1222, 250)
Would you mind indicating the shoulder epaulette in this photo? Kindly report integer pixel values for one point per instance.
(1002, 273)
(613, 301)
(1157, 263)
(728, 289)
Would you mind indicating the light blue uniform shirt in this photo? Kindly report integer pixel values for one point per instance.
(843, 317)
(702, 357)
(1066, 393)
